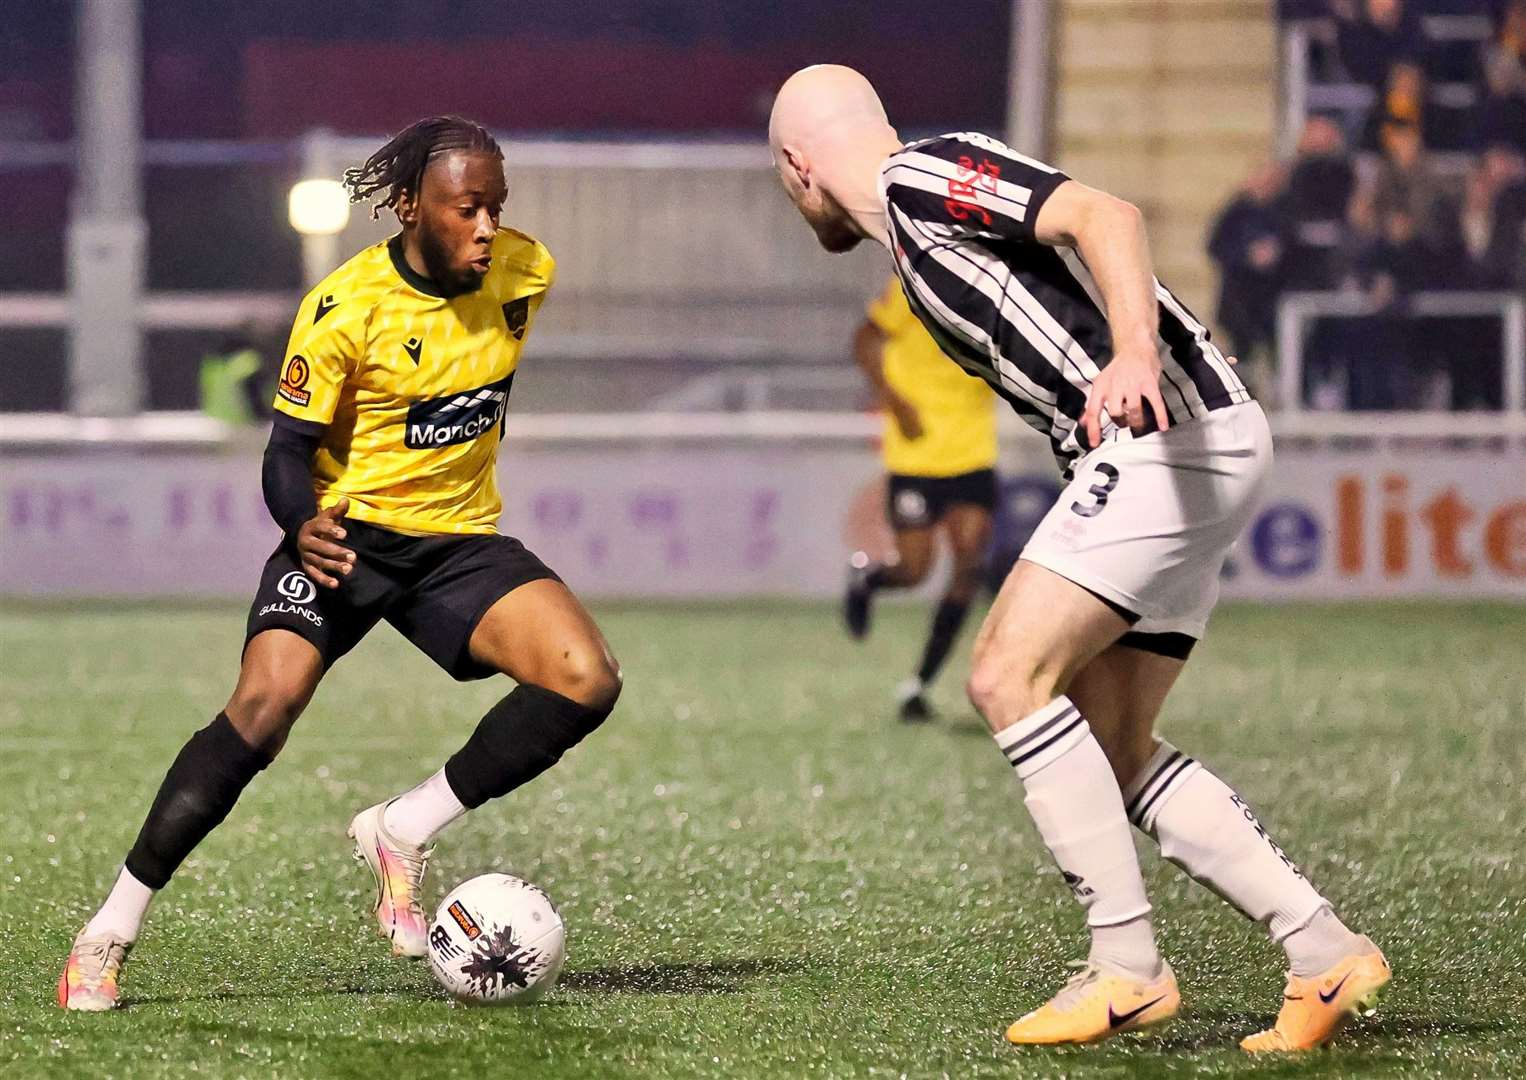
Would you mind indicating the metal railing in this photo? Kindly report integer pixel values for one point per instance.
(1295, 311)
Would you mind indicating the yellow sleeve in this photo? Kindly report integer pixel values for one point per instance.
(324, 351)
(526, 288)
(889, 311)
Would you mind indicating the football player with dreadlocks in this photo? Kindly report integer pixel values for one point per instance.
(380, 472)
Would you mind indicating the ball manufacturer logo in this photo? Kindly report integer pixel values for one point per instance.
(297, 587)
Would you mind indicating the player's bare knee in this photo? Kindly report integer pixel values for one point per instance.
(910, 570)
(1007, 688)
(589, 676)
(263, 712)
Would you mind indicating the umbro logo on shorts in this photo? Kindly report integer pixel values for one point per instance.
(459, 418)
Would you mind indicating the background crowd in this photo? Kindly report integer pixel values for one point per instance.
(1412, 179)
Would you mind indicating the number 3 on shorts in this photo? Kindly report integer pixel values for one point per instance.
(1099, 491)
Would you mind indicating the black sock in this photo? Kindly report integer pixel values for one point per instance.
(877, 578)
(209, 773)
(947, 620)
(521, 737)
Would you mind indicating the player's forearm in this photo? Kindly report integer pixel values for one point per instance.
(286, 477)
(1113, 243)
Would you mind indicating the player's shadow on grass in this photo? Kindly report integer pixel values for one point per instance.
(1214, 1030)
(133, 1001)
(968, 725)
(715, 977)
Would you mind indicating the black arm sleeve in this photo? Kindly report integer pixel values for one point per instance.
(287, 476)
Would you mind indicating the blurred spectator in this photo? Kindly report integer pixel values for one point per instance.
(1247, 245)
(1376, 352)
(1407, 180)
(1290, 10)
(1494, 220)
(1502, 113)
(1319, 189)
(1512, 30)
(1372, 36)
(1396, 263)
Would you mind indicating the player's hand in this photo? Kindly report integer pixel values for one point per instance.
(1123, 389)
(324, 559)
(906, 418)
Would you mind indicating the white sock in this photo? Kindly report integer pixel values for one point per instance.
(122, 913)
(1209, 831)
(416, 815)
(1069, 789)
(1320, 944)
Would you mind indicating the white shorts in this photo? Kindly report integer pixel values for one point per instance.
(1147, 522)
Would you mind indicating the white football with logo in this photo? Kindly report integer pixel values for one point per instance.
(497, 940)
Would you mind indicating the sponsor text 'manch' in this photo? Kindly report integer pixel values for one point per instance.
(459, 418)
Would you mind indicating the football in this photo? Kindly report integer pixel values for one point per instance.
(497, 940)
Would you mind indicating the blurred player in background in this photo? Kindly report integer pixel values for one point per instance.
(1044, 287)
(939, 448)
(381, 472)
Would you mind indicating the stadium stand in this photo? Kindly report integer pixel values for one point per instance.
(1402, 201)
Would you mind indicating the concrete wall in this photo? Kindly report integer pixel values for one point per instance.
(1167, 103)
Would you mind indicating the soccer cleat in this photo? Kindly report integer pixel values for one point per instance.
(916, 710)
(399, 872)
(911, 703)
(855, 607)
(1314, 1010)
(89, 981)
(1096, 1003)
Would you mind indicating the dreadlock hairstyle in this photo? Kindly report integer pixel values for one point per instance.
(399, 166)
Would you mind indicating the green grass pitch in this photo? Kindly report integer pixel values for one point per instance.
(761, 872)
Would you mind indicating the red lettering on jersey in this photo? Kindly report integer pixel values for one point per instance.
(965, 187)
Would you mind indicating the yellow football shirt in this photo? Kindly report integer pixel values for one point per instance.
(957, 410)
(411, 388)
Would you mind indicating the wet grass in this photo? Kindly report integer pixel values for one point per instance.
(762, 873)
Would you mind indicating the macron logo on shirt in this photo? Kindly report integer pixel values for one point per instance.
(459, 418)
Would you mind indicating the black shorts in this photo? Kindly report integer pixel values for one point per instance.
(919, 502)
(433, 589)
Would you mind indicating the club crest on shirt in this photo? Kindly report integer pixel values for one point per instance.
(516, 316)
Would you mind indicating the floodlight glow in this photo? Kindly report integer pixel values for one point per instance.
(318, 207)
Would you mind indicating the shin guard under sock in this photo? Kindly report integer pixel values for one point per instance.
(201, 786)
(521, 737)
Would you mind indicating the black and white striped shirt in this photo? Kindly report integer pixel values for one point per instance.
(1026, 317)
